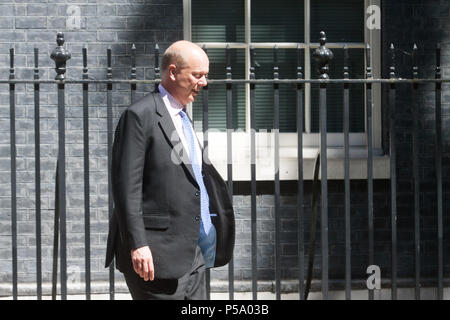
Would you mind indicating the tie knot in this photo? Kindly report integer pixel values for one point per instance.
(183, 113)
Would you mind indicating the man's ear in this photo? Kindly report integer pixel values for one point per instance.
(172, 71)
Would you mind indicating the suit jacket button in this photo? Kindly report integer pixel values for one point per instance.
(197, 218)
(197, 193)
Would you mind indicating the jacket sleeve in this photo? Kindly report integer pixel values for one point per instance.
(127, 167)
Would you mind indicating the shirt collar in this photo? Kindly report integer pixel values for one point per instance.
(175, 106)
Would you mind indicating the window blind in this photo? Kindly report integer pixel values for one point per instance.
(217, 92)
(276, 22)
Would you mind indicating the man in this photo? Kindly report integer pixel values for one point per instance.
(173, 217)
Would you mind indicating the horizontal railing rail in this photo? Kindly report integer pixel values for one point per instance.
(233, 81)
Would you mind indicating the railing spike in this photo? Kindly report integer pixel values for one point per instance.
(414, 61)
(252, 62)
(299, 61)
(275, 62)
(368, 62)
(392, 67)
(346, 74)
(156, 67)
(228, 59)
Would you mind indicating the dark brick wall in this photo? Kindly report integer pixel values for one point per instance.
(289, 234)
(425, 23)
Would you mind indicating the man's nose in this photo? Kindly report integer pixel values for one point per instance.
(202, 81)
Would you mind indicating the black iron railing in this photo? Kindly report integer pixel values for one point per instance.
(323, 57)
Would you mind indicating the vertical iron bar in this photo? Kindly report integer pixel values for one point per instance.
(133, 72)
(415, 146)
(323, 55)
(55, 237)
(229, 102)
(60, 56)
(324, 187)
(37, 166)
(369, 126)
(253, 175)
(87, 223)
(205, 117)
(205, 107)
(438, 150)
(157, 69)
(348, 254)
(276, 126)
(12, 112)
(393, 152)
(109, 125)
(62, 188)
(300, 211)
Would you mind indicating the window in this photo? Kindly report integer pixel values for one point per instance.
(287, 23)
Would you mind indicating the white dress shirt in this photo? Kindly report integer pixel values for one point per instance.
(174, 108)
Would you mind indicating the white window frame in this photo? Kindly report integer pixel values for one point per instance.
(288, 141)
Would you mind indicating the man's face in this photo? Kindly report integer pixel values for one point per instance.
(189, 80)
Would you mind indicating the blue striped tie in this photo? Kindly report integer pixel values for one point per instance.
(204, 199)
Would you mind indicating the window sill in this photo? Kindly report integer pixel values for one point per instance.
(289, 167)
(217, 152)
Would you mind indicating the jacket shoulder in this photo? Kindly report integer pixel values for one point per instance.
(144, 106)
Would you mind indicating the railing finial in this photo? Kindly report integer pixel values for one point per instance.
(228, 60)
(275, 62)
(299, 62)
(157, 69)
(323, 56)
(60, 56)
(346, 73)
(252, 62)
(414, 61)
(368, 63)
(392, 66)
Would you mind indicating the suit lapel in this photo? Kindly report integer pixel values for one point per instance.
(172, 137)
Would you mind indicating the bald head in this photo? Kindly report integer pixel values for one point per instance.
(178, 53)
(184, 69)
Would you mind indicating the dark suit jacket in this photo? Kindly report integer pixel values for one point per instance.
(156, 196)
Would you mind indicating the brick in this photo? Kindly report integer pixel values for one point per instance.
(109, 1)
(33, 1)
(12, 36)
(41, 36)
(31, 23)
(137, 36)
(6, 10)
(56, 23)
(20, 10)
(106, 10)
(173, 11)
(7, 23)
(37, 9)
(80, 36)
(85, 10)
(105, 36)
(106, 22)
(140, 10)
